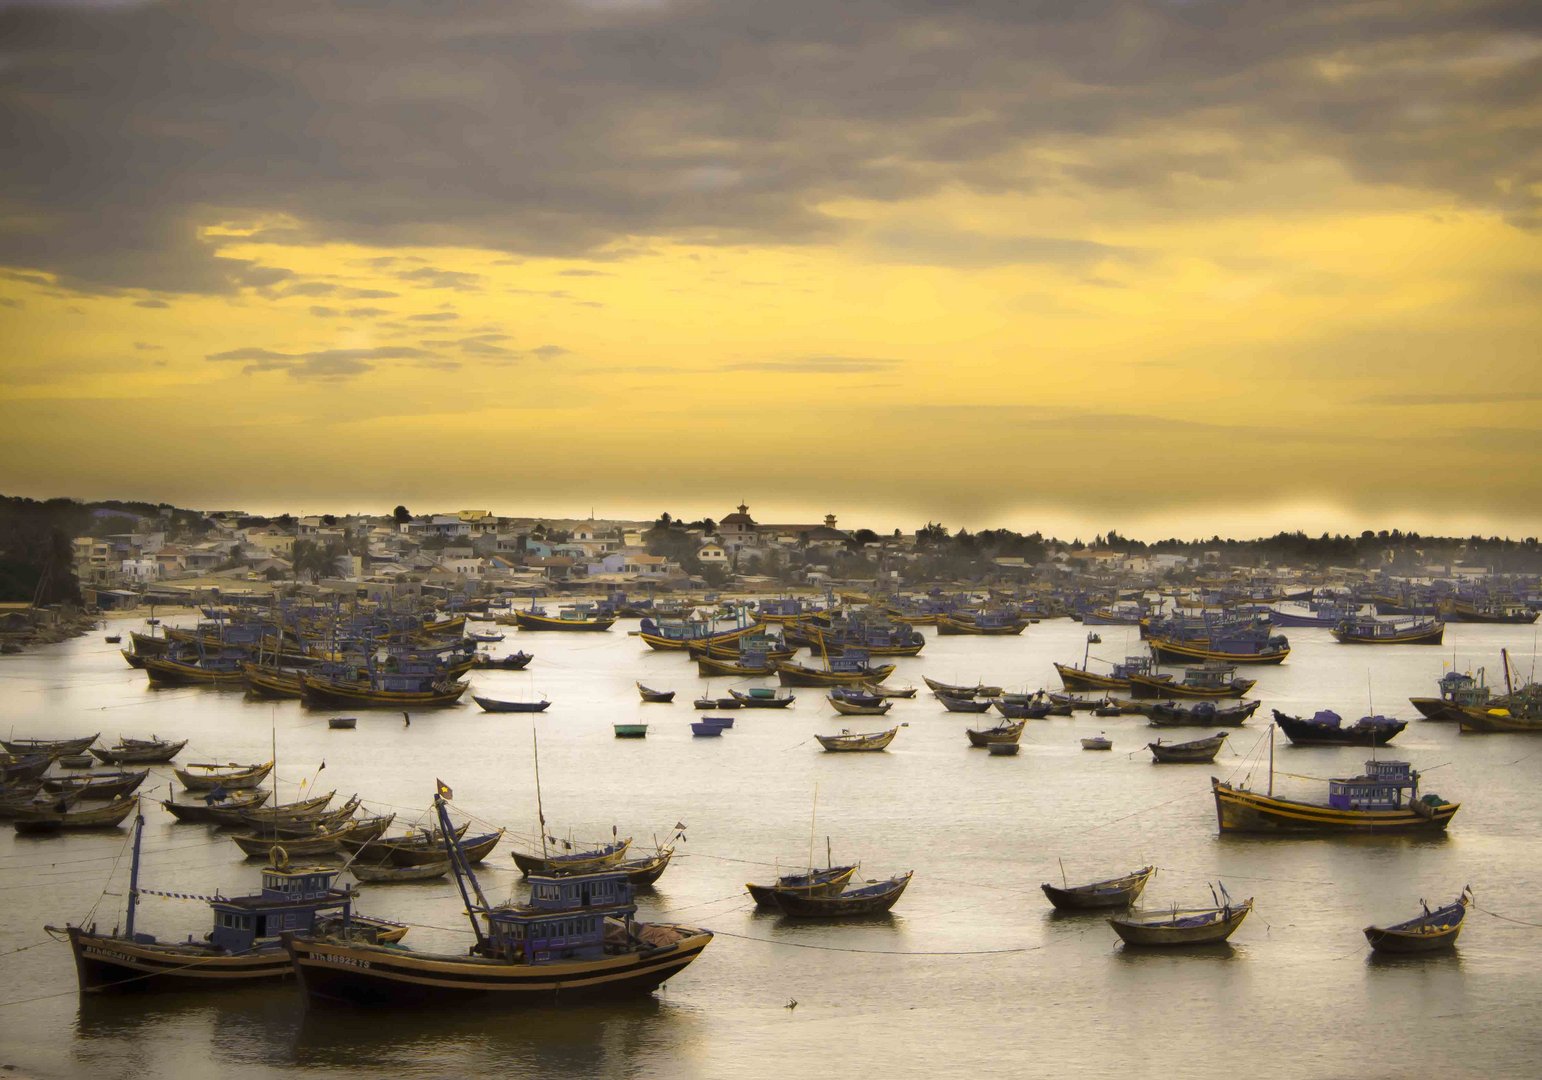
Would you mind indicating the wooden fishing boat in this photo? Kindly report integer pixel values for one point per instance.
(1326, 728)
(592, 860)
(95, 786)
(706, 729)
(850, 669)
(575, 939)
(513, 662)
(565, 620)
(14, 768)
(1202, 681)
(1457, 689)
(1431, 931)
(1178, 927)
(831, 879)
(391, 875)
(762, 697)
(55, 748)
(148, 644)
(657, 636)
(113, 639)
(49, 819)
(215, 671)
(343, 723)
(706, 704)
(494, 705)
(655, 697)
(978, 690)
(382, 692)
(231, 777)
(631, 731)
(1003, 749)
(485, 637)
(756, 666)
(868, 898)
(1488, 721)
(1076, 703)
(964, 705)
(1119, 892)
(1370, 803)
(855, 708)
(76, 761)
(321, 842)
(1097, 742)
(887, 691)
(273, 683)
(133, 659)
(1200, 714)
(205, 811)
(957, 624)
(425, 846)
(1080, 679)
(243, 947)
(139, 752)
(1194, 752)
(29, 795)
(286, 828)
(261, 816)
(855, 696)
(848, 741)
(1371, 631)
(1023, 710)
(1177, 651)
(1002, 733)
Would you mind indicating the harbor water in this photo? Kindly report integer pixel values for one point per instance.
(971, 974)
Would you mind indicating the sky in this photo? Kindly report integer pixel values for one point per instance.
(1174, 268)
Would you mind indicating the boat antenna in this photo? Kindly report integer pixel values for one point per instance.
(1271, 759)
(540, 812)
(1504, 654)
(1063, 880)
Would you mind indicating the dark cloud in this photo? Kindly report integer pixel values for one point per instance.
(151, 304)
(369, 294)
(145, 346)
(324, 363)
(431, 277)
(585, 273)
(586, 128)
(12, 302)
(366, 312)
(548, 352)
(324, 312)
(434, 316)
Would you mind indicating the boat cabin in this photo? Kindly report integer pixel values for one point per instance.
(851, 662)
(564, 920)
(1380, 788)
(1209, 676)
(290, 899)
(1134, 665)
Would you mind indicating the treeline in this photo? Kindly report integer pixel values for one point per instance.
(37, 562)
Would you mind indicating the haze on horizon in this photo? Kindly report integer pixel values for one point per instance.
(1175, 268)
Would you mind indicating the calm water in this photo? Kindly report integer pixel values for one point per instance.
(927, 991)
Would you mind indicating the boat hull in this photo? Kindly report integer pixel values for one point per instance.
(373, 976)
(105, 964)
(1101, 895)
(1177, 934)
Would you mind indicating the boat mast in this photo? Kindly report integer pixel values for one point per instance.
(811, 814)
(463, 871)
(540, 812)
(1504, 654)
(1271, 760)
(133, 889)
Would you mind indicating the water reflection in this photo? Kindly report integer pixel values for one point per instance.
(1142, 955)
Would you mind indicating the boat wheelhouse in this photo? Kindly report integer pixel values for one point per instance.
(1383, 799)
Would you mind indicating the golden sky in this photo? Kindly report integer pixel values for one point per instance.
(1174, 268)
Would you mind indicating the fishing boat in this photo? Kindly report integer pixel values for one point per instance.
(1003, 749)
(989, 624)
(631, 731)
(113, 639)
(1077, 703)
(964, 705)
(387, 690)
(343, 723)
(655, 697)
(830, 879)
(215, 671)
(57, 816)
(707, 704)
(1496, 720)
(484, 637)
(133, 659)
(1009, 732)
(204, 776)
(763, 697)
(1373, 802)
(1326, 728)
(1372, 631)
(1119, 892)
(75, 761)
(1177, 927)
(977, 690)
(1204, 681)
(576, 938)
(586, 861)
(494, 705)
(647, 869)
(855, 708)
(321, 841)
(868, 898)
(1272, 650)
(391, 875)
(706, 729)
(667, 636)
(243, 947)
(849, 669)
(1079, 678)
(751, 665)
(568, 619)
(1200, 714)
(856, 696)
(1193, 752)
(273, 683)
(139, 752)
(1430, 931)
(262, 816)
(887, 691)
(1097, 742)
(55, 748)
(1457, 689)
(206, 810)
(849, 741)
(513, 662)
(96, 786)
(1032, 709)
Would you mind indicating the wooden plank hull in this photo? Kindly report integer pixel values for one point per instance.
(1494, 721)
(232, 779)
(1182, 928)
(819, 883)
(790, 674)
(1170, 651)
(850, 903)
(526, 620)
(1118, 892)
(104, 963)
(371, 975)
(1241, 811)
(580, 863)
(325, 694)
